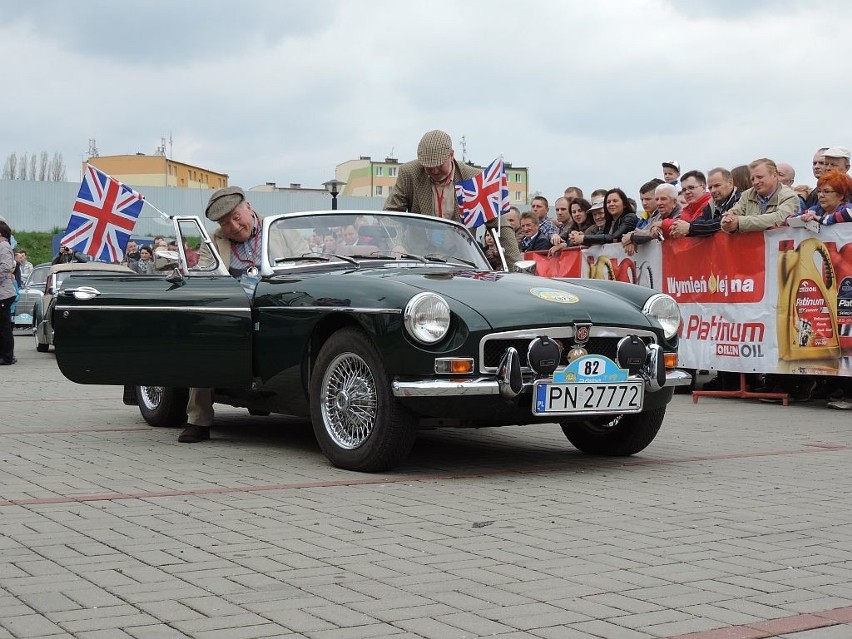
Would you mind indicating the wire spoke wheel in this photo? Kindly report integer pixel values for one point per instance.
(349, 400)
(357, 421)
(151, 396)
(162, 406)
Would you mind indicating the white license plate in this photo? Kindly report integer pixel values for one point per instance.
(591, 398)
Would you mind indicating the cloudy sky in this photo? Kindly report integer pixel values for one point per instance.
(595, 93)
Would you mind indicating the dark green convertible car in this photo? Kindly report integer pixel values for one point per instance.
(374, 325)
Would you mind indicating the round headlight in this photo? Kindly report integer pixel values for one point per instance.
(427, 317)
(666, 311)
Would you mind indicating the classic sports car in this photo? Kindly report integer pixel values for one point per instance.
(32, 290)
(400, 326)
(42, 311)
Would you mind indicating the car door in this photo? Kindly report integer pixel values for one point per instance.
(186, 328)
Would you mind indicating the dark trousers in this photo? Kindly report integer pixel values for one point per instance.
(7, 340)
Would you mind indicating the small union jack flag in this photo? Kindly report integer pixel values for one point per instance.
(103, 216)
(485, 196)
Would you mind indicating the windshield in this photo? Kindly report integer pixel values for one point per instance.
(362, 236)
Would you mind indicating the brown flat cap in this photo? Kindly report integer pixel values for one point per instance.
(434, 148)
(223, 202)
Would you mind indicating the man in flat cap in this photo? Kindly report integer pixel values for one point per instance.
(427, 186)
(238, 240)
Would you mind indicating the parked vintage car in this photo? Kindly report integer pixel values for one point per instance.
(43, 305)
(405, 328)
(32, 290)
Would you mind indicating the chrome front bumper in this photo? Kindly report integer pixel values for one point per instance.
(491, 386)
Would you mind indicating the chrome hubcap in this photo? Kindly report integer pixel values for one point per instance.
(151, 396)
(349, 401)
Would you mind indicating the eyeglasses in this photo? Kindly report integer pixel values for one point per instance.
(694, 187)
(825, 192)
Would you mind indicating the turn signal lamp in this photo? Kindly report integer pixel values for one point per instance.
(670, 360)
(454, 366)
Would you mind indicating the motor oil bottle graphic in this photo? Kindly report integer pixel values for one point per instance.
(842, 260)
(807, 302)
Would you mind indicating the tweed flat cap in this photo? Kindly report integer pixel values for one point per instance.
(223, 202)
(434, 148)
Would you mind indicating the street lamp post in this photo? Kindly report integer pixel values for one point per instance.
(333, 187)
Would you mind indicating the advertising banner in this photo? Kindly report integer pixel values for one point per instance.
(773, 302)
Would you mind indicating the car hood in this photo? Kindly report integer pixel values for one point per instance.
(512, 300)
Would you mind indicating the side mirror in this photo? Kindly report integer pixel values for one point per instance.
(525, 266)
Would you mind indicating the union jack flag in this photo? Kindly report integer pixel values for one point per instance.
(485, 196)
(103, 216)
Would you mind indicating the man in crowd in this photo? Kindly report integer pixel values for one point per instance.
(427, 186)
(837, 158)
(694, 191)
(513, 220)
(817, 166)
(26, 265)
(668, 208)
(648, 198)
(766, 204)
(563, 217)
(534, 239)
(573, 192)
(131, 252)
(67, 254)
(540, 207)
(723, 196)
(786, 174)
(671, 173)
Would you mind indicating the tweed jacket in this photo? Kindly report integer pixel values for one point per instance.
(413, 192)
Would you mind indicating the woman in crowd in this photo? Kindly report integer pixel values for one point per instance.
(145, 264)
(581, 220)
(623, 221)
(8, 294)
(492, 253)
(834, 191)
(741, 177)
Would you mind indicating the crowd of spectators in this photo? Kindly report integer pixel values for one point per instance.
(745, 198)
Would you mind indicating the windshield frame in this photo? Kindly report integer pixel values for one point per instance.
(381, 220)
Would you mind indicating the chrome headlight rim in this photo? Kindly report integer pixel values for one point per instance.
(666, 311)
(432, 328)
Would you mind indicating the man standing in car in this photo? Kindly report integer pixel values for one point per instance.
(427, 186)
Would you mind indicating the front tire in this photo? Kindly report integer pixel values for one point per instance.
(357, 421)
(619, 437)
(162, 406)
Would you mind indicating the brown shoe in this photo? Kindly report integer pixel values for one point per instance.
(193, 434)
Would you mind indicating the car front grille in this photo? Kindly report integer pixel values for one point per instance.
(26, 302)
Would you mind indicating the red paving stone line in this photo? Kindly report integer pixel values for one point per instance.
(54, 431)
(777, 627)
(55, 399)
(394, 479)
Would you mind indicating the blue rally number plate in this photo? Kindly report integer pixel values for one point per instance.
(589, 398)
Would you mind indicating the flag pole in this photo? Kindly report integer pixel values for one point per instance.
(168, 217)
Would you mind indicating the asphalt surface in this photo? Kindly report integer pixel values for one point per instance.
(735, 523)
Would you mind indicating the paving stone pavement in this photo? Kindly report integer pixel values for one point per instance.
(735, 523)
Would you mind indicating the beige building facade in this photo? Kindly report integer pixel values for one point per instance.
(158, 170)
